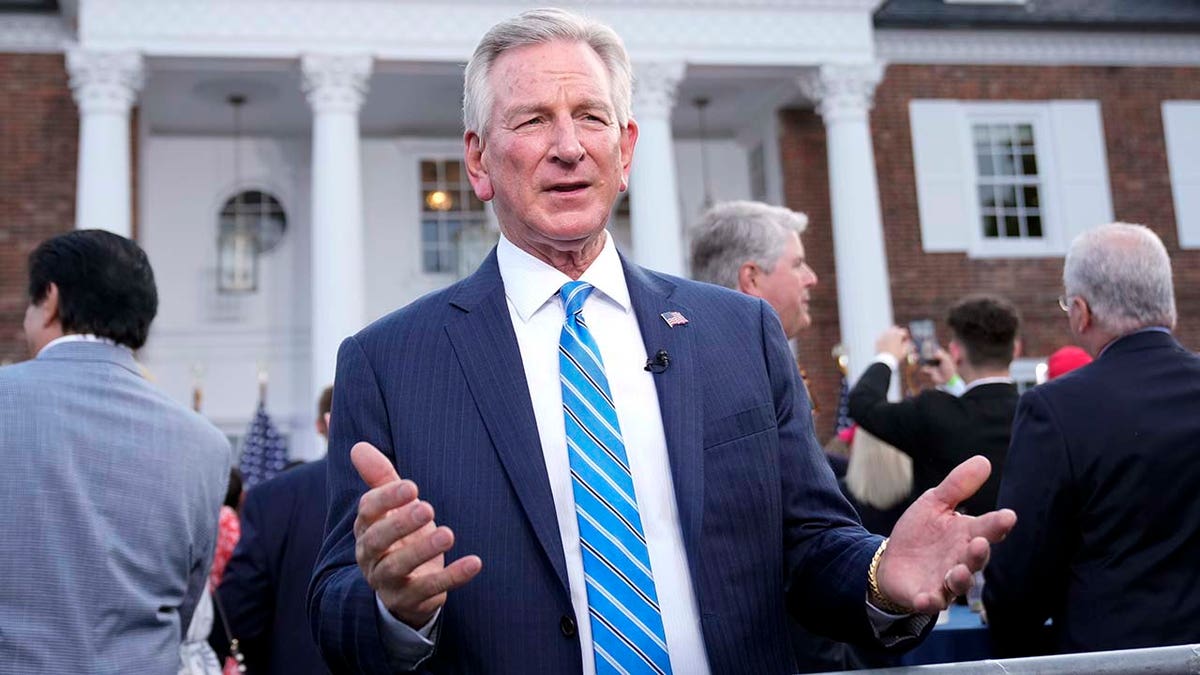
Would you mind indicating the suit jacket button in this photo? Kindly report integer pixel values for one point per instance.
(567, 626)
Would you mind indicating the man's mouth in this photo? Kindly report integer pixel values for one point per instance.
(568, 187)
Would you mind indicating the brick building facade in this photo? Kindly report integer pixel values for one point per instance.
(924, 285)
(39, 132)
(769, 141)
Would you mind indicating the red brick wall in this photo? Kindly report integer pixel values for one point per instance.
(924, 285)
(39, 131)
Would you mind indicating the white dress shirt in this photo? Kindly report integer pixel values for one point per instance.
(531, 287)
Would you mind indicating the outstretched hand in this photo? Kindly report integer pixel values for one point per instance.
(399, 547)
(934, 551)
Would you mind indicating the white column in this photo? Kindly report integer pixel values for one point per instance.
(654, 210)
(843, 94)
(105, 85)
(335, 87)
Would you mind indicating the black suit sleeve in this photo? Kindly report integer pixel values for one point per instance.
(899, 424)
(247, 590)
(1027, 576)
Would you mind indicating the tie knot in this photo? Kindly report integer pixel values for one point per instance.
(574, 293)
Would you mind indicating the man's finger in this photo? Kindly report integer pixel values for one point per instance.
(376, 540)
(377, 502)
(452, 576)
(964, 481)
(418, 596)
(958, 580)
(994, 525)
(374, 467)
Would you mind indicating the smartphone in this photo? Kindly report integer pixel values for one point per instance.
(924, 336)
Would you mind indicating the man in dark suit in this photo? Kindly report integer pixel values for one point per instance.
(622, 462)
(937, 428)
(265, 587)
(1103, 470)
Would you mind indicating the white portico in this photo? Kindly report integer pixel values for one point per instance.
(352, 124)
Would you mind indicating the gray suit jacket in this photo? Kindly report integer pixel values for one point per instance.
(110, 494)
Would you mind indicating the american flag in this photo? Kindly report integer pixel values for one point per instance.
(264, 451)
(674, 319)
(843, 409)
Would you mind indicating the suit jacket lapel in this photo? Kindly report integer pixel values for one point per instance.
(678, 394)
(486, 347)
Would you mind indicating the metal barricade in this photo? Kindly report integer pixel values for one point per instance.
(1175, 660)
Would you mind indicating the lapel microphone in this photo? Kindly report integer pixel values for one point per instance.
(658, 363)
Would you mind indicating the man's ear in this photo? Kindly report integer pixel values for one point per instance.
(748, 279)
(1085, 320)
(629, 136)
(957, 354)
(49, 306)
(477, 171)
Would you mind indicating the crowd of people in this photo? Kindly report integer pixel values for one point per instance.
(567, 463)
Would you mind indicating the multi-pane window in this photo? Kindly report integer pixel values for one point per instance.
(1009, 190)
(448, 206)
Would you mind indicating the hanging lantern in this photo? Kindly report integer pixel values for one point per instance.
(237, 245)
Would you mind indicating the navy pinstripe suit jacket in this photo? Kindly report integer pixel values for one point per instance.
(439, 387)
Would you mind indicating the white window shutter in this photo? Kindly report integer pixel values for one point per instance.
(1080, 167)
(944, 175)
(1181, 126)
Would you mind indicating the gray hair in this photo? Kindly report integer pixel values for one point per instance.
(732, 233)
(1124, 273)
(539, 26)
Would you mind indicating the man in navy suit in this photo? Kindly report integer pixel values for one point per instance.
(265, 585)
(1103, 470)
(736, 517)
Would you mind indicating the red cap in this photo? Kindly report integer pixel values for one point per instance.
(1065, 360)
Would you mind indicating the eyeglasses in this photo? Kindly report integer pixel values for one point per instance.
(1064, 302)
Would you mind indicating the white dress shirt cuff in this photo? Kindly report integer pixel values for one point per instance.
(406, 647)
(888, 360)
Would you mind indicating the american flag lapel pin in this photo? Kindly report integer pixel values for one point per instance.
(674, 319)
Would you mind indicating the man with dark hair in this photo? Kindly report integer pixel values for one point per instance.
(936, 428)
(266, 584)
(112, 490)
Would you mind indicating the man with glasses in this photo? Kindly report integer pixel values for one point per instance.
(1104, 468)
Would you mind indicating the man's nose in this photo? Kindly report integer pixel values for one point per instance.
(566, 146)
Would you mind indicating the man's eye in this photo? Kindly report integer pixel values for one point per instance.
(530, 122)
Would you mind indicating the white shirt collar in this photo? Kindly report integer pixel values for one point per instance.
(987, 380)
(529, 283)
(77, 337)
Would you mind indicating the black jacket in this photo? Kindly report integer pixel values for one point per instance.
(939, 430)
(1104, 474)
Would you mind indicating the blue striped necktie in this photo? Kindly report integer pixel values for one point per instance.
(627, 629)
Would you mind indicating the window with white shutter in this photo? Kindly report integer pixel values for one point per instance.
(1007, 179)
(1181, 127)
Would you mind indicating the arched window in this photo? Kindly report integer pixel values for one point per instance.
(251, 223)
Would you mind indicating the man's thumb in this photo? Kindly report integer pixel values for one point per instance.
(372, 465)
